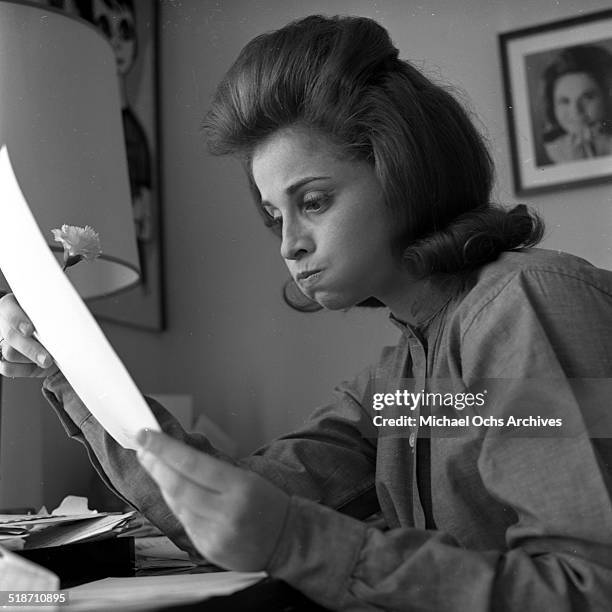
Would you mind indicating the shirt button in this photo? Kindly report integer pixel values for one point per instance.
(411, 440)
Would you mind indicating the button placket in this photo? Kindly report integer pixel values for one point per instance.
(419, 363)
(419, 369)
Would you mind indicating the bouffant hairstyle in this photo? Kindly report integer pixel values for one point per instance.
(589, 59)
(341, 76)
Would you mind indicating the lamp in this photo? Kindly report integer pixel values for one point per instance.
(60, 118)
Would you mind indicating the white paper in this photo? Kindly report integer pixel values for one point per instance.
(29, 520)
(80, 531)
(147, 592)
(19, 574)
(63, 323)
(73, 504)
(159, 552)
(11, 542)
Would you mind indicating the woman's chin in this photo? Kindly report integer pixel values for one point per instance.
(331, 301)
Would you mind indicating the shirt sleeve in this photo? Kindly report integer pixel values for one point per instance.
(331, 460)
(118, 467)
(558, 553)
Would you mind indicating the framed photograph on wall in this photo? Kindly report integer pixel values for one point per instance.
(132, 30)
(558, 94)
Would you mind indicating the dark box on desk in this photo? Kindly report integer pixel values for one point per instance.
(87, 561)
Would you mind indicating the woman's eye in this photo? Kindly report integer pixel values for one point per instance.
(315, 204)
(126, 30)
(104, 25)
(273, 216)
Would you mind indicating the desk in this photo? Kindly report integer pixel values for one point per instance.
(266, 595)
(269, 595)
(83, 570)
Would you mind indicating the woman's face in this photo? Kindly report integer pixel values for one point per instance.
(336, 230)
(117, 24)
(578, 102)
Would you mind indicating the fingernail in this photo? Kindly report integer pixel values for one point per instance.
(142, 436)
(25, 328)
(43, 360)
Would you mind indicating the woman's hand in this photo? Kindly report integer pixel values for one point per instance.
(21, 355)
(232, 516)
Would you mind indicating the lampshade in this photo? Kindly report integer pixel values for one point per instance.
(60, 118)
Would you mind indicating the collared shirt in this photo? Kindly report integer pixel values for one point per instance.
(572, 147)
(523, 520)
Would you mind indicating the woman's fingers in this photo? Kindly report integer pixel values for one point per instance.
(18, 348)
(199, 467)
(24, 370)
(12, 316)
(11, 354)
(179, 490)
(232, 516)
(17, 343)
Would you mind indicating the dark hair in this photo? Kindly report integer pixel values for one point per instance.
(590, 59)
(85, 9)
(341, 76)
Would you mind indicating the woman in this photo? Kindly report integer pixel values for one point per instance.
(378, 185)
(578, 104)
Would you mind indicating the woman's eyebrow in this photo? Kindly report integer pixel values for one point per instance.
(308, 179)
(295, 186)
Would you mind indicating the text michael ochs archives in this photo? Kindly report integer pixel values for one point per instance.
(441, 402)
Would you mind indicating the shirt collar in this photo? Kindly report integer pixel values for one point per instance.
(438, 292)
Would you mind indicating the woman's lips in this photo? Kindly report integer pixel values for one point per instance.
(305, 279)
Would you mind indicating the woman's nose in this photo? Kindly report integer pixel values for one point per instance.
(296, 241)
(579, 110)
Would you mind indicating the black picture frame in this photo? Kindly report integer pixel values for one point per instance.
(549, 148)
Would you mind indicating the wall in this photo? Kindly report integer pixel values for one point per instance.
(253, 365)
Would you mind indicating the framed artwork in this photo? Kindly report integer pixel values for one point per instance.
(132, 29)
(558, 94)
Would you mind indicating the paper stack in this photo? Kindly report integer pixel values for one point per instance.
(158, 552)
(71, 522)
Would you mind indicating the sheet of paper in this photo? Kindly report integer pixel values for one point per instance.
(11, 542)
(28, 520)
(160, 547)
(69, 533)
(160, 552)
(19, 574)
(149, 591)
(63, 323)
(73, 504)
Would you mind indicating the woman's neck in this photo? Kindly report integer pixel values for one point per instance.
(414, 301)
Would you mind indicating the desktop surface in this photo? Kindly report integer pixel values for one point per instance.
(175, 593)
